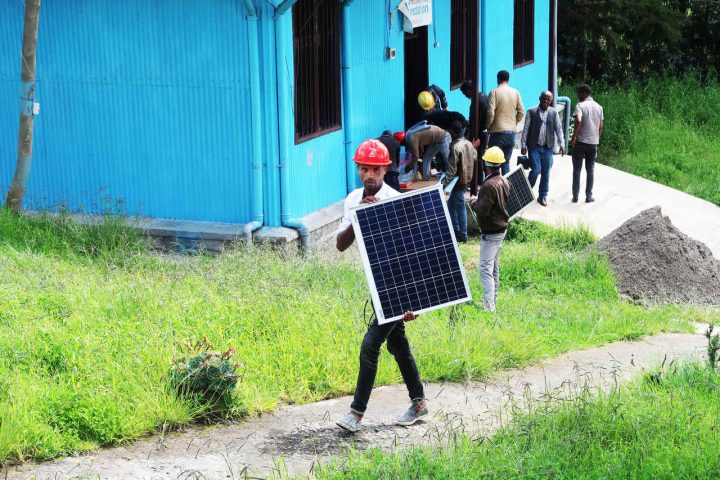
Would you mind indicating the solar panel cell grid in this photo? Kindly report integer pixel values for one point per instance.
(521, 195)
(411, 258)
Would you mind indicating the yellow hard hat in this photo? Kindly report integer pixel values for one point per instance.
(494, 155)
(426, 100)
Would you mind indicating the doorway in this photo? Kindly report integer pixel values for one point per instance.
(416, 73)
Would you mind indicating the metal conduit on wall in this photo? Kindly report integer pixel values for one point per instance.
(347, 96)
(285, 129)
(256, 114)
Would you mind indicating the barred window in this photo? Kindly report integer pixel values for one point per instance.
(316, 53)
(524, 33)
(461, 42)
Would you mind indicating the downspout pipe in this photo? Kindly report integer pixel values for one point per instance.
(483, 46)
(283, 7)
(285, 122)
(568, 104)
(347, 97)
(258, 216)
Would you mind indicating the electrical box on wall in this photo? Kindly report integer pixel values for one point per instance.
(389, 53)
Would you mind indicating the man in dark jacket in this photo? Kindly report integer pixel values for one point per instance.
(493, 220)
(433, 99)
(541, 133)
(445, 118)
(477, 120)
(477, 127)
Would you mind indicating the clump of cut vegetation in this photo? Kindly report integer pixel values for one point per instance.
(664, 130)
(86, 336)
(662, 425)
(206, 376)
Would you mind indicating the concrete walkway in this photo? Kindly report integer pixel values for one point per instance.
(294, 439)
(618, 197)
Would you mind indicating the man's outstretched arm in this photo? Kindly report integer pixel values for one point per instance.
(345, 238)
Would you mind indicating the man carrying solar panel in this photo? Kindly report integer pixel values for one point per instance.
(372, 160)
(492, 217)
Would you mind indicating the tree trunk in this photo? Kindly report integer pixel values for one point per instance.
(27, 98)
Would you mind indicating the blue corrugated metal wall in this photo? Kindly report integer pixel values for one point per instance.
(11, 28)
(147, 102)
(530, 79)
(143, 103)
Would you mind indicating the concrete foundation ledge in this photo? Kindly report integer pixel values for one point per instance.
(186, 236)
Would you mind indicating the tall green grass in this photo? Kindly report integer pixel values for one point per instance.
(87, 326)
(665, 130)
(664, 425)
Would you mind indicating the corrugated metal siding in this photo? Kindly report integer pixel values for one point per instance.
(144, 104)
(378, 84)
(11, 28)
(530, 79)
(316, 167)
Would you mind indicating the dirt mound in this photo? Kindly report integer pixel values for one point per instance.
(656, 262)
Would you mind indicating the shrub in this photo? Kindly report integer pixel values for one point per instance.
(204, 376)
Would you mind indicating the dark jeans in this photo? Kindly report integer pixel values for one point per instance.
(506, 142)
(542, 162)
(398, 345)
(587, 152)
(458, 213)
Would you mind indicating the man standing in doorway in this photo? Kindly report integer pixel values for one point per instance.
(505, 111)
(585, 140)
(478, 115)
(493, 220)
(541, 133)
(372, 159)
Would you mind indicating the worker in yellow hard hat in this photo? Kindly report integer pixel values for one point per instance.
(493, 218)
(432, 99)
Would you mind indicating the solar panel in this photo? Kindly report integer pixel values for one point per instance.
(412, 261)
(521, 195)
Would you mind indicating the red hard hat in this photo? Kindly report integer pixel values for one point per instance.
(372, 152)
(399, 136)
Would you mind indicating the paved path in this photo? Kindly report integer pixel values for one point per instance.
(620, 196)
(299, 436)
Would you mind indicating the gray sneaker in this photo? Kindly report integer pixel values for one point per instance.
(349, 422)
(412, 414)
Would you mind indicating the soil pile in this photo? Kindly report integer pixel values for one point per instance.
(656, 262)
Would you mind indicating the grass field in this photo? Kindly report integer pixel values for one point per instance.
(665, 130)
(88, 318)
(662, 426)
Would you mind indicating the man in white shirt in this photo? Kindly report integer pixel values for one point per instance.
(372, 160)
(586, 138)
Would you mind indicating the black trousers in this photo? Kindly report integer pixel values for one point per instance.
(587, 152)
(398, 345)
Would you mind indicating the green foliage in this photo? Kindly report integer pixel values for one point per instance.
(86, 336)
(713, 349)
(665, 130)
(613, 40)
(204, 375)
(106, 237)
(652, 428)
(573, 239)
